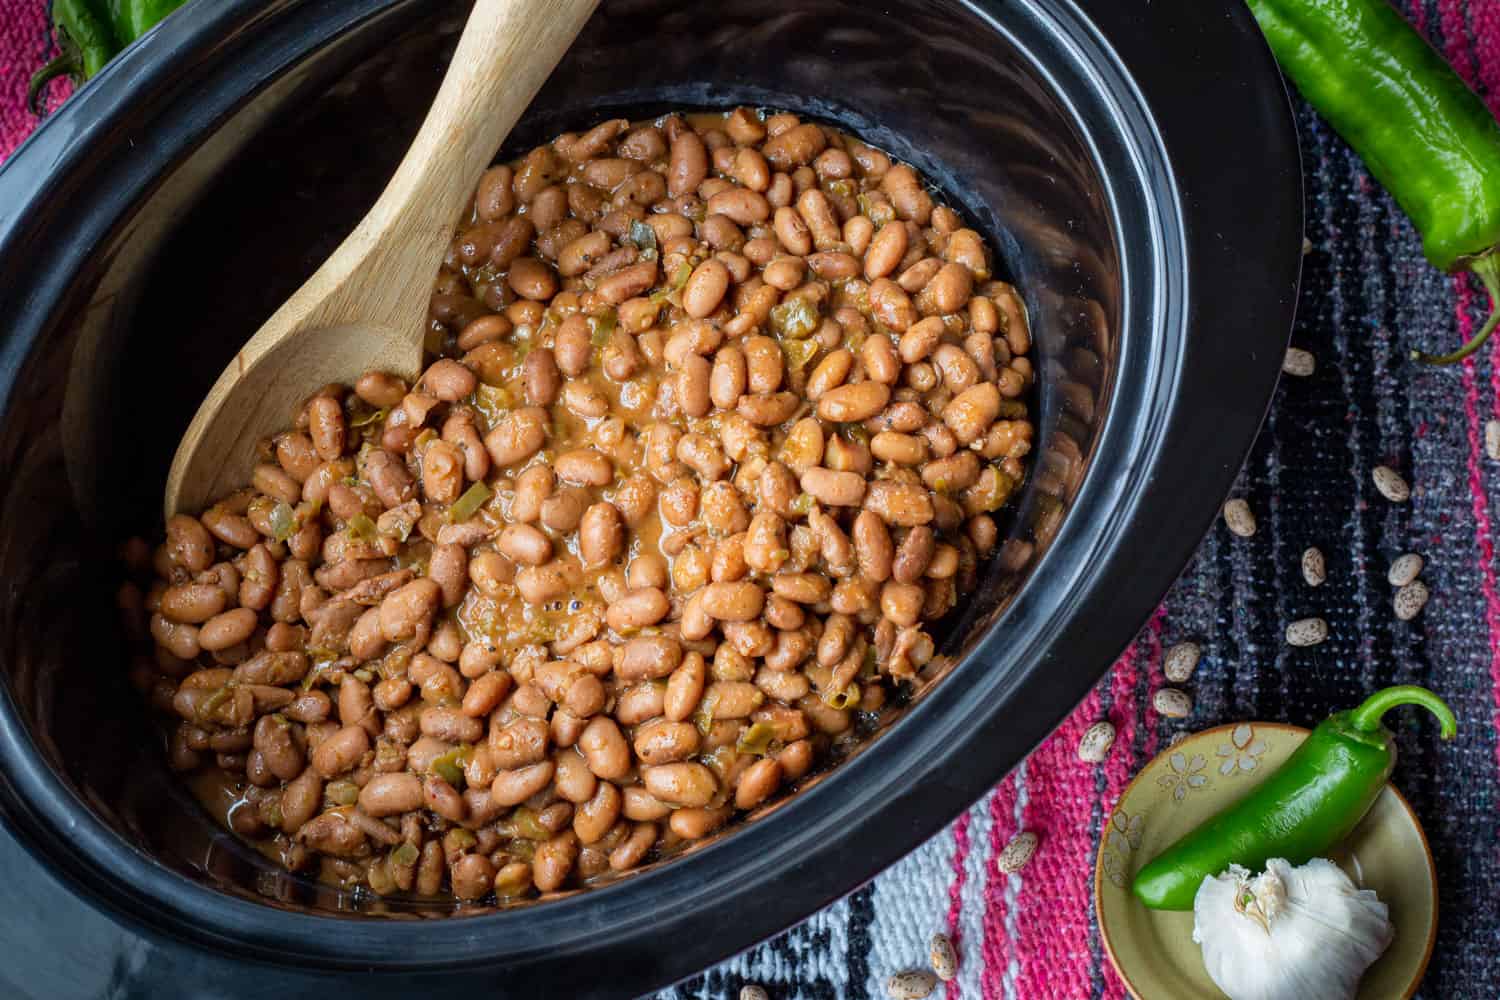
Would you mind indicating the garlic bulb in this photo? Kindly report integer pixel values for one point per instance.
(1289, 933)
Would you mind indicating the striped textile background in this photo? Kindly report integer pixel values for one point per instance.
(1368, 297)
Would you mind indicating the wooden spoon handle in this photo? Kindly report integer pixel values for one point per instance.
(507, 51)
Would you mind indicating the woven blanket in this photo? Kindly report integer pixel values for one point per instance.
(1368, 297)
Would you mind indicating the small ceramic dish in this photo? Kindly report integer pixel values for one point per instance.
(1153, 951)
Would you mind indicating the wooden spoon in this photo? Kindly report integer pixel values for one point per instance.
(366, 307)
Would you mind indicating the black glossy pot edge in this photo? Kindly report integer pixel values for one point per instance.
(786, 864)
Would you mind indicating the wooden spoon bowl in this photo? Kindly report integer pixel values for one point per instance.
(366, 307)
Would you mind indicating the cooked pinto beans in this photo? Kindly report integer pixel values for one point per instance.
(722, 411)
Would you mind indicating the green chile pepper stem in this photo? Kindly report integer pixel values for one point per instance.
(1367, 717)
(1487, 268)
(1420, 130)
(90, 33)
(66, 63)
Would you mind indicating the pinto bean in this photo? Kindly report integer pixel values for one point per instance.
(914, 554)
(341, 751)
(970, 413)
(733, 602)
(872, 546)
(604, 748)
(688, 164)
(601, 534)
(849, 403)
(585, 466)
(891, 305)
(817, 212)
(442, 472)
(833, 265)
(518, 436)
(686, 783)
(901, 504)
(448, 380)
(511, 788)
(192, 603)
(705, 288)
(741, 205)
(485, 693)
(189, 543)
(768, 409)
(553, 861)
(228, 629)
(408, 607)
(391, 794)
(759, 781)
(836, 489)
(627, 282)
(638, 608)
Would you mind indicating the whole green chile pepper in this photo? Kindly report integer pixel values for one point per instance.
(1422, 132)
(1311, 802)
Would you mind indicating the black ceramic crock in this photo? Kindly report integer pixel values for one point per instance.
(1133, 163)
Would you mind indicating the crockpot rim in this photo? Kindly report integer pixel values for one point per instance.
(43, 806)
